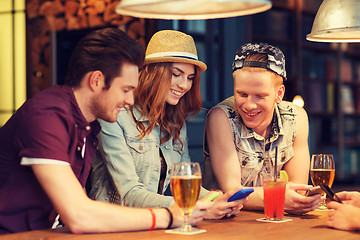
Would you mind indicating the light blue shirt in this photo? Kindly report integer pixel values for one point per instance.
(126, 170)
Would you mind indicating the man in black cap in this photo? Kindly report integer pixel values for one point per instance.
(244, 131)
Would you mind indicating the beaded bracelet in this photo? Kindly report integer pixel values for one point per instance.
(171, 218)
(153, 219)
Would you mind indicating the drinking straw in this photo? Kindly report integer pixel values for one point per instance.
(275, 170)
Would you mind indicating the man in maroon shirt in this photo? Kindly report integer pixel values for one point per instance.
(47, 146)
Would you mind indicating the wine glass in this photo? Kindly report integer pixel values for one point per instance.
(185, 188)
(322, 171)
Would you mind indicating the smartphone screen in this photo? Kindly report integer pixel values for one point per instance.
(314, 190)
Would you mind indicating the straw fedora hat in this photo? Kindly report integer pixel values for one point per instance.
(172, 46)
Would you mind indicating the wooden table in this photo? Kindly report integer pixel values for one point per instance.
(243, 227)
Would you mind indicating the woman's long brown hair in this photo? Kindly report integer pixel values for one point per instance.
(150, 95)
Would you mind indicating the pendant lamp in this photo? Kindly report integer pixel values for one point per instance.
(336, 21)
(191, 9)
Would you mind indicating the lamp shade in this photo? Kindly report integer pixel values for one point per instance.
(336, 21)
(191, 9)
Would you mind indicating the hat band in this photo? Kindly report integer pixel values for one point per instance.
(256, 64)
(173, 54)
(271, 65)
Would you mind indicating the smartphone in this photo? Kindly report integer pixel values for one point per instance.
(241, 194)
(212, 197)
(329, 193)
(314, 190)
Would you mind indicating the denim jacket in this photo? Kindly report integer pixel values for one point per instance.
(126, 170)
(252, 149)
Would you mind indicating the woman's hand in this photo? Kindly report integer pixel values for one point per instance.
(296, 203)
(222, 207)
(197, 215)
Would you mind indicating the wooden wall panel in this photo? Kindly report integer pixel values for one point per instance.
(45, 17)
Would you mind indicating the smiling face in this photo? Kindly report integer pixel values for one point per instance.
(108, 103)
(255, 95)
(183, 75)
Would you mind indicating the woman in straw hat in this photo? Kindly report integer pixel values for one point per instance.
(136, 154)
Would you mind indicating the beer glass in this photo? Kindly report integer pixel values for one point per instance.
(185, 188)
(322, 170)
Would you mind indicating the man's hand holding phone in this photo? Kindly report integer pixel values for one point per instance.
(350, 197)
(345, 216)
(314, 190)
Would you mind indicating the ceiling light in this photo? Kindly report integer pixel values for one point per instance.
(298, 101)
(336, 21)
(191, 9)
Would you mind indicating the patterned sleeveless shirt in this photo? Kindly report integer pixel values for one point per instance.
(252, 149)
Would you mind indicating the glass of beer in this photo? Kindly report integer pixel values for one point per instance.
(185, 188)
(322, 170)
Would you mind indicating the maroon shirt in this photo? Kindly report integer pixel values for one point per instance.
(49, 126)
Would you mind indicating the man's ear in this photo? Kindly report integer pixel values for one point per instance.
(96, 80)
(280, 94)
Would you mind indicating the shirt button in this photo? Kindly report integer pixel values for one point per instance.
(78, 148)
(167, 146)
(87, 128)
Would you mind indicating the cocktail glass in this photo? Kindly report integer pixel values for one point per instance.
(274, 199)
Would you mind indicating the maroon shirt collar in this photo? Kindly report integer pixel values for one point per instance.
(79, 117)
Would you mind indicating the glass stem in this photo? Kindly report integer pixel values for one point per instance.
(323, 202)
(186, 226)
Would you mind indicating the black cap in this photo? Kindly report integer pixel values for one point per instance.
(276, 58)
